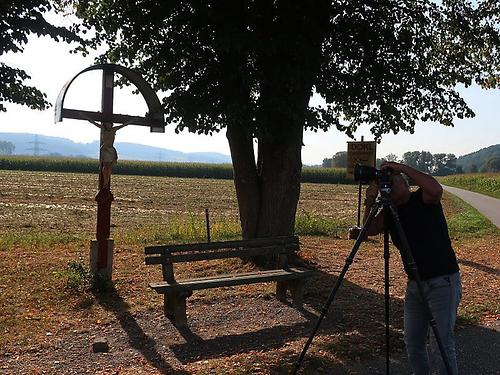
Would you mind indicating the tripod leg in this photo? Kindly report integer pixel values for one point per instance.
(348, 262)
(412, 268)
(386, 291)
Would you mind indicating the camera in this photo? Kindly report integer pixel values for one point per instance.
(365, 174)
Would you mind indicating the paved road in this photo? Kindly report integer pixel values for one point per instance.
(488, 206)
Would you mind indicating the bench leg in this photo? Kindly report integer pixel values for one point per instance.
(297, 291)
(281, 288)
(174, 306)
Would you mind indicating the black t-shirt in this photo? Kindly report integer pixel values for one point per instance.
(427, 234)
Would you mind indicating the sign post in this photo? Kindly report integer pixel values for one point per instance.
(364, 153)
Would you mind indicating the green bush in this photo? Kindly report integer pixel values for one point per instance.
(76, 275)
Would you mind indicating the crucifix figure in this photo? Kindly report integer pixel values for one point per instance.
(107, 152)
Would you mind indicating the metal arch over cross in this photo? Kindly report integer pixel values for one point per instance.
(102, 248)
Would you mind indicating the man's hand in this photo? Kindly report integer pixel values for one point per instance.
(432, 190)
(397, 167)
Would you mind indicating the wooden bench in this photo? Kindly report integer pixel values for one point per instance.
(175, 292)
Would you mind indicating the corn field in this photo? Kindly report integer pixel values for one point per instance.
(150, 168)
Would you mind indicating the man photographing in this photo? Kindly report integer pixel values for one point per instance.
(423, 222)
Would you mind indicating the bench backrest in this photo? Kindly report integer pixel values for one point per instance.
(163, 254)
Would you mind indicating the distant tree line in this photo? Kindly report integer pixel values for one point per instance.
(339, 160)
(484, 160)
(492, 165)
(436, 164)
(440, 164)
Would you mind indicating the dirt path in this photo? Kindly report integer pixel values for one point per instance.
(488, 206)
(146, 343)
(475, 345)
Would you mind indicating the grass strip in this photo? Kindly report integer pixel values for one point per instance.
(35, 239)
(467, 222)
(189, 228)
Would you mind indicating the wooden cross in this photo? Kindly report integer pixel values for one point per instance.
(108, 156)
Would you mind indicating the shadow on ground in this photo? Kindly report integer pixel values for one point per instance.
(137, 338)
(353, 326)
(352, 333)
(480, 267)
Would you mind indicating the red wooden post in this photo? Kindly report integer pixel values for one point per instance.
(104, 197)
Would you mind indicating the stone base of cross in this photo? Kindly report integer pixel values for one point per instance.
(104, 269)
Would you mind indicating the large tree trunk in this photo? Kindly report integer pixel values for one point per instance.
(279, 182)
(268, 190)
(267, 196)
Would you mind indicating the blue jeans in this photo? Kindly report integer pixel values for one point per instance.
(443, 295)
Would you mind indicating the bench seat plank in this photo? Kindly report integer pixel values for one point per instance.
(232, 280)
(220, 254)
(256, 242)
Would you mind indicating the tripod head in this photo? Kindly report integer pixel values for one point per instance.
(366, 174)
(385, 188)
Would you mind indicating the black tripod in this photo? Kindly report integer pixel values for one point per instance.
(389, 212)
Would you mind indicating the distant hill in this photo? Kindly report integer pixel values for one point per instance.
(32, 144)
(474, 161)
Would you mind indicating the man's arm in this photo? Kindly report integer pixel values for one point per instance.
(90, 120)
(432, 191)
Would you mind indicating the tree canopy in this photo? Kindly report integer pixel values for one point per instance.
(383, 63)
(251, 67)
(18, 20)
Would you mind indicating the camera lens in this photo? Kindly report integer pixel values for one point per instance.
(365, 173)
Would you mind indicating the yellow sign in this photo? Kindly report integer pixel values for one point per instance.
(364, 153)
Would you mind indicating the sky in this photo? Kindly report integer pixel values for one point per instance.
(50, 66)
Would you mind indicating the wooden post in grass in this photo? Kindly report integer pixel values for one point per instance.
(207, 222)
(101, 249)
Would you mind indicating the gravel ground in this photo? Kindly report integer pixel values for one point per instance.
(147, 343)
